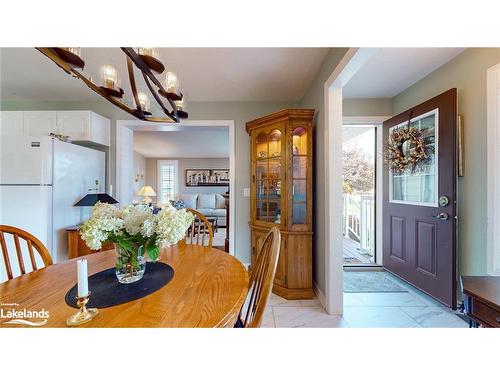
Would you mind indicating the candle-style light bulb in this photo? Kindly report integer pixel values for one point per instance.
(180, 105)
(109, 77)
(74, 50)
(148, 51)
(171, 83)
(143, 101)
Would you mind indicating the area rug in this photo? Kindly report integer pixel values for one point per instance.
(370, 282)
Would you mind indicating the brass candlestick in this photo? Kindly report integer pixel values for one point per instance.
(84, 315)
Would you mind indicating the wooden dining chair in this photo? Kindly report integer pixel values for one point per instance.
(200, 231)
(31, 243)
(261, 281)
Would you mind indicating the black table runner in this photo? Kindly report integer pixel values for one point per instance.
(106, 291)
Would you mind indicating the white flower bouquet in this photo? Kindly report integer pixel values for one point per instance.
(136, 232)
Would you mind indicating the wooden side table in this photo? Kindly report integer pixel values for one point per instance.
(482, 299)
(77, 246)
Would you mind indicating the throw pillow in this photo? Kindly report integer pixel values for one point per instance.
(206, 201)
(178, 204)
(220, 201)
(189, 200)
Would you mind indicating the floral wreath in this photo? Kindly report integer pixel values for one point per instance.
(418, 155)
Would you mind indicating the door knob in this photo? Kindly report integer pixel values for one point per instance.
(442, 216)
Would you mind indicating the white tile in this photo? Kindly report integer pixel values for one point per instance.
(377, 317)
(352, 299)
(314, 302)
(389, 299)
(427, 300)
(275, 300)
(435, 317)
(268, 318)
(306, 317)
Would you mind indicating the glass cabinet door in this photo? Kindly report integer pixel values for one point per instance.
(299, 175)
(268, 176)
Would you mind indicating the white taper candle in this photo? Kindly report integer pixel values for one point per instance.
(83, 282)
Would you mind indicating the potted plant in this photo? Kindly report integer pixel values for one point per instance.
(136, 233)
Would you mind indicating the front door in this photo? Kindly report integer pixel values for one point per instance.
(419, 211)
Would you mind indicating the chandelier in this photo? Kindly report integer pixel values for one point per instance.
(147, 62)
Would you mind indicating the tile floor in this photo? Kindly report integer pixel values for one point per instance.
(364, 310)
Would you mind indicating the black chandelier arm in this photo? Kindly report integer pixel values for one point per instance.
(130, 52)
(172, 115)
(131, 77)
(138, 112)
(68, 69)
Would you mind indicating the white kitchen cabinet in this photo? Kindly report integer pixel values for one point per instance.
(84, 126)
(39, 122)
(81, 126)
(11, 123)
(74, 124)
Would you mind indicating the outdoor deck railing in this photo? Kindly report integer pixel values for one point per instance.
(359, 220)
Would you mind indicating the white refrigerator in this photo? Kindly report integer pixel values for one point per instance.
(41, 179)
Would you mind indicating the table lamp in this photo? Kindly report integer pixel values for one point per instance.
(146, 192)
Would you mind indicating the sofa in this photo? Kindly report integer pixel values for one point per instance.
(208, 204)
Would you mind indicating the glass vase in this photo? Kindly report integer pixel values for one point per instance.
(130, 264)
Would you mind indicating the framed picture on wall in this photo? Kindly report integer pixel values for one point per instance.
(207, 177)
(221, 176)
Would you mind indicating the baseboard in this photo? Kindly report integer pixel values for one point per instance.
(319, 294)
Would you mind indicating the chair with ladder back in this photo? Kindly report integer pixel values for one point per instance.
(261, 281)
(32, 245)
(200, 231)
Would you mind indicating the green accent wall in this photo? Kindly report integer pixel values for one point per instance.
(466, 72)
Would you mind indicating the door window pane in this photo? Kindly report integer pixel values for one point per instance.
(420, 186)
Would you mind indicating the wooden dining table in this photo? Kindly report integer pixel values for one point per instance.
(208, 290)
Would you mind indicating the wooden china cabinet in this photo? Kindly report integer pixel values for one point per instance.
(281, 195)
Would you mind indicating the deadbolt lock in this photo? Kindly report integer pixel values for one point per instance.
(443, 200)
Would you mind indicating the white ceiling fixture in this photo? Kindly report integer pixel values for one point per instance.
(208, 74)
(392, 70)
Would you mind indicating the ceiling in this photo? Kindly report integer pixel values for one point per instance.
(392, 70)
(190, 142)
(205, 74)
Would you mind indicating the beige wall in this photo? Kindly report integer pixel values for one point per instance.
(187, 163)
(139, 168)
(367, 107)
(467, 72)
(314, 98)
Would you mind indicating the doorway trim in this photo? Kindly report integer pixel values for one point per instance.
(332, 89)
(377, 122)
(493, 176)
(142, 126)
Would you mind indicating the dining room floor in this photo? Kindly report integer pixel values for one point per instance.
(407, 309)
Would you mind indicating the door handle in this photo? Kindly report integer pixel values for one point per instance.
(441, 216)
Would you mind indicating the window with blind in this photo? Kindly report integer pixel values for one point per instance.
(167, 180)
